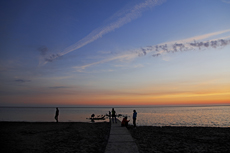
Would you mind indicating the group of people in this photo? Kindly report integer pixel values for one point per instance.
(114, 119)
(124, 121)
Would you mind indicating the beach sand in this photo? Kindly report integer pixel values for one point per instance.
(181, 139)
(47, 137)
(77, 137)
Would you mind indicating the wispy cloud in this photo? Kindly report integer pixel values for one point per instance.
(192, 43)
(45, 57)
(43, 50)
(226, 1)
(9, 65)
(202, 37)
(21, 80)
(52, 57)
(189, 44)
(123, 57)
(123, 19)
(138, 66)
(104, 52)
(58, 87)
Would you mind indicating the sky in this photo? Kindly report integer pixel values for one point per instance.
(106, 52)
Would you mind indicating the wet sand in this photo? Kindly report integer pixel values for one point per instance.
(181, 139)
(47, 137)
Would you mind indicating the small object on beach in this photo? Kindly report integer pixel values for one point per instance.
(99, 117)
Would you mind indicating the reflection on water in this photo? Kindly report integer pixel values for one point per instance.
(215, 116)
(186, 116)
(46, 114)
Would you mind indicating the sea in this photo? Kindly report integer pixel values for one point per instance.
(193, 116)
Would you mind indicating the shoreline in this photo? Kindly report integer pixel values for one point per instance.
(105, 121)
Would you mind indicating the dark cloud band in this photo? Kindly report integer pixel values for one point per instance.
(167, 48)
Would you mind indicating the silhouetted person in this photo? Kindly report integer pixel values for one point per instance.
(56, 115)
(92, 116)
(109, 116)
(114, 115)
(124, 122)
(134, 118)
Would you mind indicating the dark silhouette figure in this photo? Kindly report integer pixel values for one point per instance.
(109, 116)
(114, 115)
(134, 118)
(56, 115)
(124, 122)
(92, 116)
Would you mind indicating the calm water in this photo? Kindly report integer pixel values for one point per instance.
(214, 116)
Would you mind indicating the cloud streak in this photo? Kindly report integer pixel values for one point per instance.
(189, 44)
(226, 1)
(43, 50)
(123, 57)
(195, 45)
(58, 87)
(22, 80)
(130, 15)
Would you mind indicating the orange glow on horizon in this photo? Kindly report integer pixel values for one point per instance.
(168, 99)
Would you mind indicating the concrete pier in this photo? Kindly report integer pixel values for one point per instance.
(120, 140)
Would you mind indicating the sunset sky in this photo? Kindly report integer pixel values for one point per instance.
(114, 52)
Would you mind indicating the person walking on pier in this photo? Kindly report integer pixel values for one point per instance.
(114, 115)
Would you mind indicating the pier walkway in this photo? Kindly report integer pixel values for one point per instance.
(120, 140)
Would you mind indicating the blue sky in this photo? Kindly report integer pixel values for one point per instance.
(114, 52)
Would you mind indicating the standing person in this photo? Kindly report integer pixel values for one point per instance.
(114, 115)
(109, 116)
(134, 118)
(56, 115)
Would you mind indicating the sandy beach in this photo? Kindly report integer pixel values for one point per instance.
(181, 139)
(50, 137)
